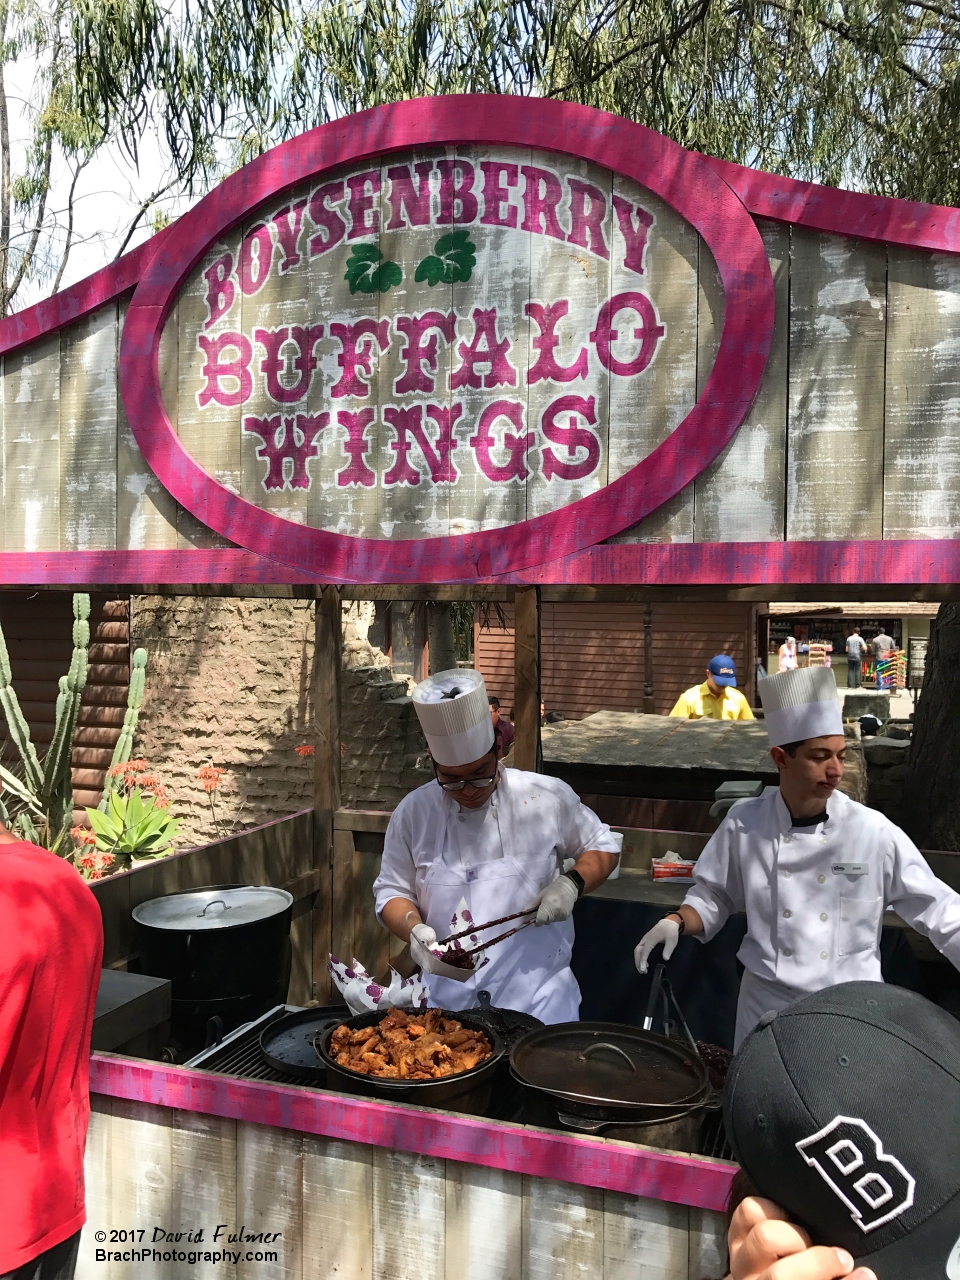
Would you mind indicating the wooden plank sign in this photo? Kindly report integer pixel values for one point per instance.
(483, 339)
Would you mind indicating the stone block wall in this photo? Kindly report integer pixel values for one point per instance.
(228, 684)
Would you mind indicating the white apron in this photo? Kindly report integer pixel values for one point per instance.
(529, 972)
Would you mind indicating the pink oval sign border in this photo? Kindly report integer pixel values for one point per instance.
(683, 179)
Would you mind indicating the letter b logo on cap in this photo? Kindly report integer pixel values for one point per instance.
(850, 1158)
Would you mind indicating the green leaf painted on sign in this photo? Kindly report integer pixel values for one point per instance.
(456, 256)
(367, 274)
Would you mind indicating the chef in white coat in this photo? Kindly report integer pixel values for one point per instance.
(498, 839)
(813, 870)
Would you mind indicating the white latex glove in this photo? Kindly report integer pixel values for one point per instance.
(422, 941)
(555, 902)
(666, 931)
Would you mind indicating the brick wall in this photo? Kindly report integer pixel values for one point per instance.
(228, 683)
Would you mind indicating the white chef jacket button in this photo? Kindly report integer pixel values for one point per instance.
(787, 839)
(823, 915)
(787, 951)
(460, 818)
(821, 879)
(823, 955)
(787, 874)
(787, 915)
(823, 839)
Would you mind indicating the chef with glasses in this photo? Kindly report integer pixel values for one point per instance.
(499, 841)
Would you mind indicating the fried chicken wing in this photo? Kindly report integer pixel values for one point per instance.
(428, 1047)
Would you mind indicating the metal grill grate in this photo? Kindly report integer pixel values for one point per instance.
(239, 1053)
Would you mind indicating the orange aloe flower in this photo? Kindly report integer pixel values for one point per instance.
(304, 749)
(210, 776)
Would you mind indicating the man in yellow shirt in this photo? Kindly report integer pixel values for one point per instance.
(718, 698)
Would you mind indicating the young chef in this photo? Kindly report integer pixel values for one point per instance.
(813, 870)
(498, 839)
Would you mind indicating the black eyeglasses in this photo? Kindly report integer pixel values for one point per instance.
(477, 784)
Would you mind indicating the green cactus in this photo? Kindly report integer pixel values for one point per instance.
(17, 726)
(56, 793)
(121, 752)
(38, 802)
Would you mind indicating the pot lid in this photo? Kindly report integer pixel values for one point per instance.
(607, 1064)
(213, 908)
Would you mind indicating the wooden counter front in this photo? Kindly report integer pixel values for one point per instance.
(370, 1190)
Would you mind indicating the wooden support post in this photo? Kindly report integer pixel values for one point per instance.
(327, 661)
(648, 703)
(526, 693)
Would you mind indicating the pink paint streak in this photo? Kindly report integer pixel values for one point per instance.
(638, 1171)
(895, 563)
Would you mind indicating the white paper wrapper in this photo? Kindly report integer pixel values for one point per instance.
(462, 919)
(363, 995)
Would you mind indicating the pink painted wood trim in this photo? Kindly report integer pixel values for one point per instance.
(682, 178)
(934, 562)
(79, 299)
(589, 1162)
(845, 213)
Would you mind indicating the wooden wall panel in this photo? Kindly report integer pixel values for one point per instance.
(337, 1209)
(270, 1197)
(837, 340)
(562, 1230)
(740, 498)
(921, 478)
(592, 655)
(355, 1212)
(669, 385)
(31, 447)
(88, 433)
(146, 512)
(484, 1223)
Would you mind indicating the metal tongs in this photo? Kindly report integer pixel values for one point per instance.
(662, 986)
(478, 928)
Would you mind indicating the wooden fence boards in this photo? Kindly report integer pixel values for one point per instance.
(740, 498)
(921, 473)
(837, 341)
(356, 1212)
(31, 447)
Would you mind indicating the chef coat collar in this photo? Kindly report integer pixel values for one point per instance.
(785, 818)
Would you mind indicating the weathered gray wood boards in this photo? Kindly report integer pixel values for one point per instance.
(855, 432)
(358, 1212)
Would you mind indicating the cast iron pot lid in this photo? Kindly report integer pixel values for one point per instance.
(606, 1063)
(213, 908)
(287, 1044)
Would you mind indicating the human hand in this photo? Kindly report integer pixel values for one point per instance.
(555, 902)
(666, 931)
(423, 941)
(764, 1246)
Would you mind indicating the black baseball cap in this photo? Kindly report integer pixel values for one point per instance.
(844, 1108)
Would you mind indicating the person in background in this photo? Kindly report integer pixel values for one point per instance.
(553, 717)
(51, 946)
(788, 655)
(856, 647)
(503, 731)
(718, 698)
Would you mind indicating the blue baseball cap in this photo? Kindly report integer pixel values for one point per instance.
(723, 669)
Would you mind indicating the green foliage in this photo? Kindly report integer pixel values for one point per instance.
(455, 259)
(364, 275)
(133, 826)
(37, 800)
(859, 92)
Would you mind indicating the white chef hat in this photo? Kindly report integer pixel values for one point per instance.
(454, 715)
(800, 704)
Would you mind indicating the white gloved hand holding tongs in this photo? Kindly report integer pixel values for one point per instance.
(423, 951)
(666, 931)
